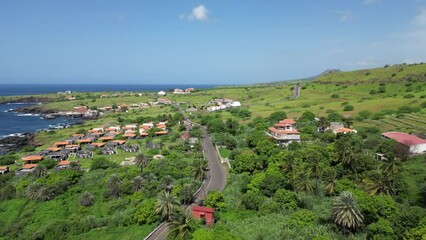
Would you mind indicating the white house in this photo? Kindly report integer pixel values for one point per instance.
(161, 93)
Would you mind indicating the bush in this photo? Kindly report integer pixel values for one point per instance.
(144, 213)
(8, 159)
(408, 109)
(286, 199)
(215, 200)
(302, 218)
(28, 148)
(408, 96)
(372, 92)
(251, 200)
(101, 163)
(48, 163)
(348, 108)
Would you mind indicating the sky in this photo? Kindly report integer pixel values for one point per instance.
(203, 42)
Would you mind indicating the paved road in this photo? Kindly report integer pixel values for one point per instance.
(215, 180)
(296, 91)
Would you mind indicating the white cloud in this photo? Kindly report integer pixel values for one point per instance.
(344, 14)
(366, 2)
(199, 13)
(420, 19)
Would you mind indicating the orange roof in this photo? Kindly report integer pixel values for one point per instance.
(145, 127)
(4, 168)
(60, 144)
(78, 135)
(129, 135)
(345, 130)
(29, 166)
(64, 162)
(72, 146)
(129, 131)
(94, 131)
(121, 142)
(106, 138)
(283, 131)
(98, 144)
(288, 121)
(33, 158)
(54, 149)
(144, 134)
(161, 132)
(86, 140)
(161, 125)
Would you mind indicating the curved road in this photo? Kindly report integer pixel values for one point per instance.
(296, 91)
(215, 180)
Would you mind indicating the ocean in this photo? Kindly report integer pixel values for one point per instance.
(31, 89)
(13, 123)
(16, 123)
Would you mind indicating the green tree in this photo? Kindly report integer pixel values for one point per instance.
(137, 183)
(39, 171)
(145, 213)
(114, 186)
(277, 116)
(198, 169)
(141, 161)
(86, 199)
(346, 213)
(251, 200)
(180, 226)
(286, 199)
(167, 204)
(215, 200)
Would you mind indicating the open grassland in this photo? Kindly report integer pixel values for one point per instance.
(394, 73)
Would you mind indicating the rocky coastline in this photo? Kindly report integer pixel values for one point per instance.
(16, 142)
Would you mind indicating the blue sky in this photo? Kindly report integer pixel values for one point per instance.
(205, 42)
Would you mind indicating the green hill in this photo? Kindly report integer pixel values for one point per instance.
(395, 73)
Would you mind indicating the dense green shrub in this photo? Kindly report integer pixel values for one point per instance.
(348, 108)
(251, 200)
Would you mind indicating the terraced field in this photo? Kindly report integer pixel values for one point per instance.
(412, 122)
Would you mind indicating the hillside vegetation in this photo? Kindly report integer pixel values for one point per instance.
(386, 74)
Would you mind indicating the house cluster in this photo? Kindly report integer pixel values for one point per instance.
(83, 145)
(182, 91)
(222, 103)
(284, 132)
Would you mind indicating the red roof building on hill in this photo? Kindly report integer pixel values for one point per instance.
(412, 142)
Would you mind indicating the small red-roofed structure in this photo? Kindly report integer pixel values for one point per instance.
(199, 212)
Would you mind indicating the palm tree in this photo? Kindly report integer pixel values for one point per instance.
(330, 180)
(167, 182)
(167, 204)
(304, 183)
(141, 161)
(86, 199)
(149, 177)
(31, 192)
(37, 191)
(378, 183)
(198, 169)
(346, 213)
(39, 171)
(180, 227)
(44, 194)
(75, 166)
(391, 168)
(113, 185)
(137, 183)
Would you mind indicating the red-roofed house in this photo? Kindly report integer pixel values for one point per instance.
(413, 143)
(81, 109)
(207, 213)
(284, 132)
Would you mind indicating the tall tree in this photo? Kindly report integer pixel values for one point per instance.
(75, 166)
(346, 213)
(39, 171)
(167, 204)
(330, 181)
(114, 185)
(377, 182)
(137, 183)
(198, 168)
(304, 182)
(141, 161)
(180, 226)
